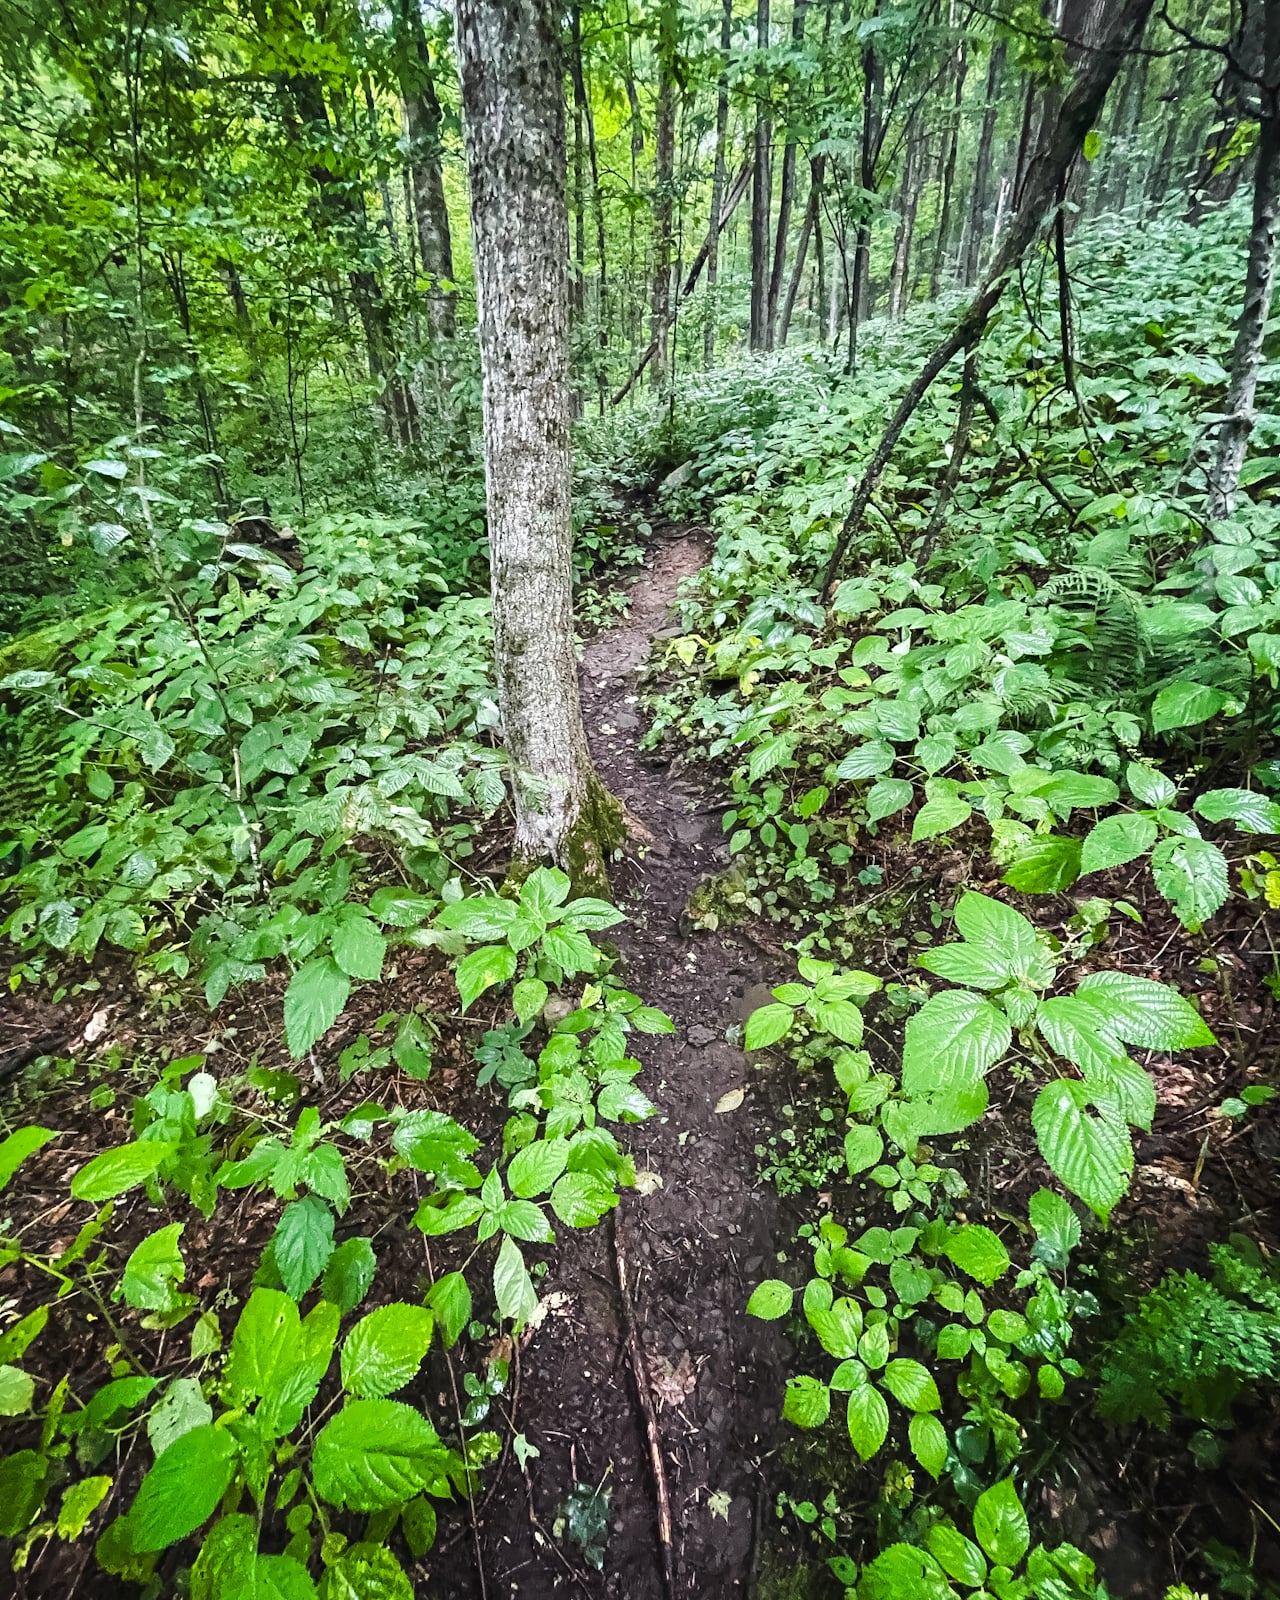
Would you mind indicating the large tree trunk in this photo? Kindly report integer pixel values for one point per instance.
(423, 120)
(717, 184)
(786, 191)
(982, 167)
(515, 140)
(1246, 358)
(761, 195)
(1046, 174)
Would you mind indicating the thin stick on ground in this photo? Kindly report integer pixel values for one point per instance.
(640, 1371)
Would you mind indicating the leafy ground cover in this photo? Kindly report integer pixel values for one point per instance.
(927, 1045)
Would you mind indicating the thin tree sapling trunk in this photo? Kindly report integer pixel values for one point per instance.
(982, 166)
(786, 191)
(513, 105)
(717, 184)
(761, 194)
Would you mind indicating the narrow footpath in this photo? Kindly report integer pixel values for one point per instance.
(692, 1245)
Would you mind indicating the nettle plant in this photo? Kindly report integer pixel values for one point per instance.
(1191, 872)
(958, 1036)
(893, 1290)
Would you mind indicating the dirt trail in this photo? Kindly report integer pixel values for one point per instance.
(694, 1246)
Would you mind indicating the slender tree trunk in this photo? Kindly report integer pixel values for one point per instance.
(1246, 357)
(872, 140)
(717, 184)
(582, 102)
(513, 106)
(1022, 161)
(982, 166)
(900, 274)
(948, 175)
(1047, 172)
(423, 121)
(761, 194)
(786, 190)
(810, 224)
(664, 173)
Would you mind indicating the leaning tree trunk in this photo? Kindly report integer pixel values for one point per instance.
(1246, 359)
(1046, 173)
(509, 56)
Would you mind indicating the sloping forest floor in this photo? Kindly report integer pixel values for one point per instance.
(828, 791)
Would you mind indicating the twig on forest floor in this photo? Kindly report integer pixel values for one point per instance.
(640, 1371)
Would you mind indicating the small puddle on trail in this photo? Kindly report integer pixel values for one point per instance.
(695, 1246)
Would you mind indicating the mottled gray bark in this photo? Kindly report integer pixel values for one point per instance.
(509, 56)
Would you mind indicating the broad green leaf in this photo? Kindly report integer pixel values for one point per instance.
(450, 1298)
(375, 1454)
(154, 1269)
(1192, 875)
(1117, 840)
(970, 964)
(942, 814)
(492, 963)
(1143, 1012)
(766, 1025)
(528, 998)
(1091, 1154)
(20, 1335)
(902, 1572)
(569, 950)
(580, 915)
(840, 1018)
(1000, 1524)
(385, 1349)
(580, 1199)
(928, 1440)
(116, 1171)
(18, 1146)
(1056, 1224)
(483, 917)
(313, 1002)
(887, 798)
(359, 949)
(959, 1557)
(348, 1273)
(839, 1327)
(912, 1385)
(434, 1143)
(977, 1251)
(512, 1287)
(181, 1408)
(1185, 704)
(951, 1042)
(1047, 865)
(777, 751)
(16, 1391)
(863, 1147)
(807, 1402)
(544, 890)
(1251, 812)
(303, 1243)
(770, 1300)
(867, 1417)
(23, 1477)
(534, 1169)
(1149, 787)
(866, 761)
(1076, 1030)
(524, 1219)
(182, 1489)
(265, 1347)
(999, 930)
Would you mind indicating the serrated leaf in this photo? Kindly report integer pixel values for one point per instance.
(1117, 840)
(1192, 876)
(867, 1418)
(434, 1143)
(359, 949)
(942, 814)
(154, 1269)
(1000, 1524)
(493, 963)
(958, 1557)
(365, 1572)
(1047, 865)
(375, 1454)
(888, 797)
(840, 1018)
(863, 1147)
(385, 1349)
(1091, 1155)
(912, 1385)
(1185, 704)
(766, 1025)
(770, 1300)
(79, 1502)
(17, 1389)
(1056, 1224)
(181, 1408)
(1251, 812)
(807, 1402)
(20, 1144)
(450, 1298)
(977, 1251)
(348, 1273)
(952, 1042)
(838, 1327)
(534, 1169)
(303, 1243)
(116, 1171)
(866, 761)
(512, 1287)
(1143, 1012)
(313, 1002)
(928, 1440)
(580, 1199)
(182, 1489)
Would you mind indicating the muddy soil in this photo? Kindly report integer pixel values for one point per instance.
(693, 1247)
